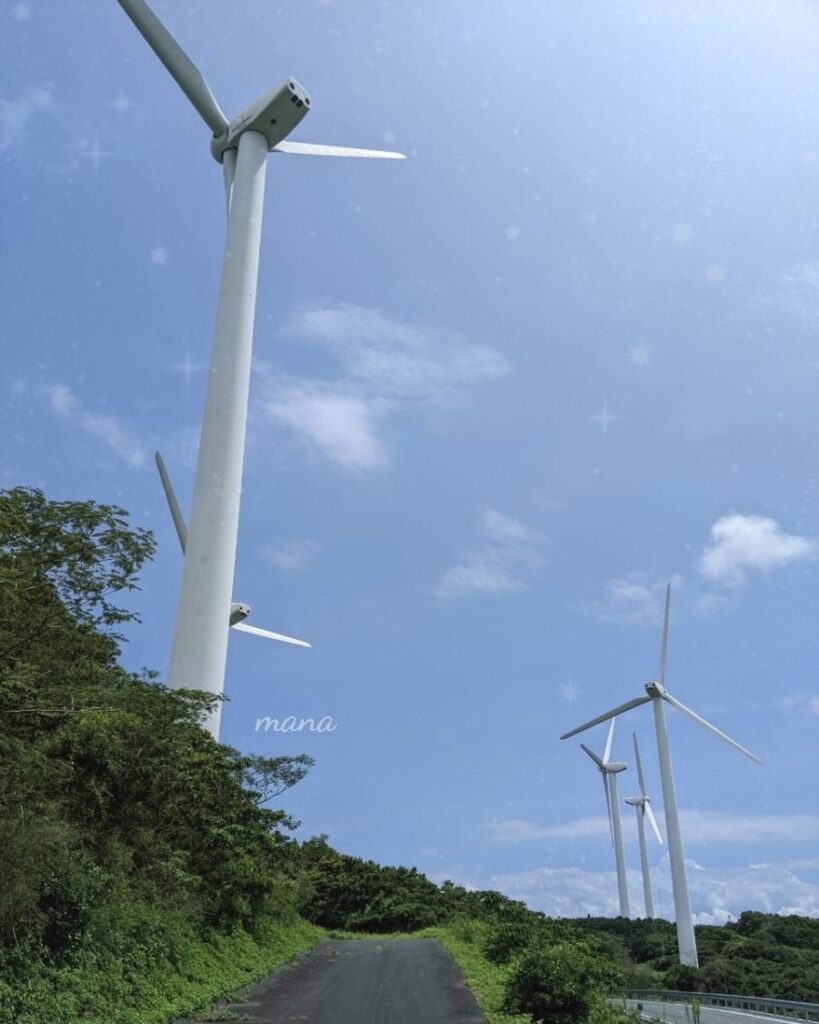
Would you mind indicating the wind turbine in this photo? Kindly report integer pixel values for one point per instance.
(642, 807)
(657, 694)
(241, 146)
(239, 611)
(609, 771)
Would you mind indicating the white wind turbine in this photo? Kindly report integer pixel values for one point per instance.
(609, 771)
(642, 807)
(239, 611)
(241, 146)
(657, 694)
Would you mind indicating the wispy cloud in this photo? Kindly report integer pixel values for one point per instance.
(741, 543)
(16, 114)
(717, 894)
(629, 601)
(379, 366)
(112, 431)
(292, 555)
(801, 704)
(797, 292)
(698, 826)
(506, 558)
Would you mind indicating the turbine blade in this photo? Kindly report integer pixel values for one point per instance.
(652, 821)
(244, 628)
(593, 756)
(609, 740)
(707, 725)
(315, 149)
(609, 714)
(182, 69)
(640, 778)
(608, 805)
(173, 504)
(664, 645)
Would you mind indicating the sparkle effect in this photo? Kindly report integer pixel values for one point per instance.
(188, 368)
(640, 355)
(604, 418)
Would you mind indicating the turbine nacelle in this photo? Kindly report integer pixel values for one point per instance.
(655, 689)
(239, 611)
(274, 114)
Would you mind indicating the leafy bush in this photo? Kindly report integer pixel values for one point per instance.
(560, 983)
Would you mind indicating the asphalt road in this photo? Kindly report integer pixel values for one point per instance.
(680, 1013)
(403, 981)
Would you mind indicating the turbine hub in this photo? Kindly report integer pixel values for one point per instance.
(654, 689)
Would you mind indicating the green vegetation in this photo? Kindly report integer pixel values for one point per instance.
(756, 955)
(140, 866)
(145, 874)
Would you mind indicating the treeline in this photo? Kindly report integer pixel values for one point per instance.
(757, 955)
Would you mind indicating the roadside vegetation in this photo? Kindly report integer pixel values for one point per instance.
(146, 872)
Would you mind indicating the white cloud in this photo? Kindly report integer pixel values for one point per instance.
(342, 427)
(698, 826)
(159, 256)
(16, 114)
(120, 438)
(715, 893)
(507, 557)
(292, 555)
(740, 543)
(629, 601)
(381, 367)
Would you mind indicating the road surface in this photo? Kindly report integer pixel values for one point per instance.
(403, 981)
(681, 1013)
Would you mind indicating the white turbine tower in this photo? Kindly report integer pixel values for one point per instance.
(658, 696)
(241, 146)
(239, 611)
(642, 807)
(609, 771)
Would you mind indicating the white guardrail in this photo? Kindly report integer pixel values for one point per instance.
(755, 1004)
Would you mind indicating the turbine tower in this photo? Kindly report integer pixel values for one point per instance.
(657, 695)
(239, 611)
(642, 807)
(241, 145)
(609, 771)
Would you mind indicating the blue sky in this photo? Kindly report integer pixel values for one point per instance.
(502, 392)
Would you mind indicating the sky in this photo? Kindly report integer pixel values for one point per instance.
(502, 392)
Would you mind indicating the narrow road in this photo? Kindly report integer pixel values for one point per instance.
(402, 981)
(681, 1013)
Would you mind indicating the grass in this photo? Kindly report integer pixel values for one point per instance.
(486, 980)
(170, 973)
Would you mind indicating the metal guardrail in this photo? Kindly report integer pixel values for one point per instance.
(756, 1004)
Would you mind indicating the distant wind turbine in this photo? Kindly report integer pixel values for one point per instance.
(658, 696)
(609, 771)
(241, 146)
(239, 611)
(642, 807)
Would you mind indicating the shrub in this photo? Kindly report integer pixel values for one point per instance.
(560, 983)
